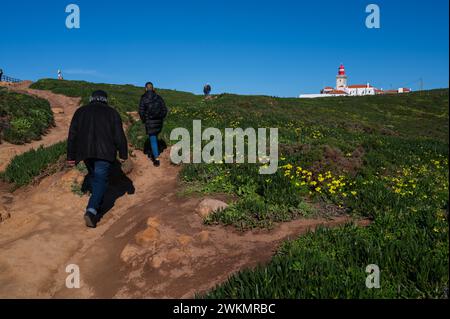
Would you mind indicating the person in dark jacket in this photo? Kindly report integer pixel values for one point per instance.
(207, 89)
(95, 136)
(1, 75)
(152, 110)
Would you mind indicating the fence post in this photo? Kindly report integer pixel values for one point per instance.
(9, 79)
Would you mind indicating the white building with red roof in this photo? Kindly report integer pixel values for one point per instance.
(343, 89)
(355, 89)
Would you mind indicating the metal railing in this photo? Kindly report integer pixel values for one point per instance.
(5, 78)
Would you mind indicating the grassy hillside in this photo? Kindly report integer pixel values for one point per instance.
(23, 118)
(381, 157)
(330, 148)
(124, 98)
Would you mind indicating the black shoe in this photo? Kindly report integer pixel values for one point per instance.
(90, 219)
(156, 163)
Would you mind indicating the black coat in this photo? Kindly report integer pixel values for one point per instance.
(152, 111)
(96, 132)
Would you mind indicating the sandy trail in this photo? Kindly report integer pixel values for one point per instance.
(54, 135)
(150, 244)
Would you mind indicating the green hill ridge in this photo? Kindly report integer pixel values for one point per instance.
(378, 157)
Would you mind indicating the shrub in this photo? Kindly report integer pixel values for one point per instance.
(27, 118)
(25, 167)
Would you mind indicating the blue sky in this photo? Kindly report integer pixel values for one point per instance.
(280, 48)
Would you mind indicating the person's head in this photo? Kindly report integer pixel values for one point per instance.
(99, 96)
(149, 86)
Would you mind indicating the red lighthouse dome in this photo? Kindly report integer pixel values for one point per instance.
(341, 70)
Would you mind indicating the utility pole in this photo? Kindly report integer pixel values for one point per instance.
(421, 84)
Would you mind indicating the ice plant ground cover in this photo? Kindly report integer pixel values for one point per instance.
(23, 118)
(380, 157)
(25, 167)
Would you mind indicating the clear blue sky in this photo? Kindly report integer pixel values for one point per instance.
(278, 48)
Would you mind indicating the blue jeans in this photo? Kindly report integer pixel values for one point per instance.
(98, 174)
(154, 145)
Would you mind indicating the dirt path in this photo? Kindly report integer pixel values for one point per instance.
(55, 134)
(151, 244)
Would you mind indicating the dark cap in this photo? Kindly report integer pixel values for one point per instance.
(99, 96)
(149, 86)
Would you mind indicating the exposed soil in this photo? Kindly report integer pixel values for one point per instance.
(150, 244)
(338, 162)
(67, 105)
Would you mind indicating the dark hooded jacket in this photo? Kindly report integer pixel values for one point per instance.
(207, 89)
(96, 132)
(152, 111)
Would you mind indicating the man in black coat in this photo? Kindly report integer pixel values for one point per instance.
(95, 136)
(152, 111)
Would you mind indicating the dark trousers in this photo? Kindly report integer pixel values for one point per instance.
(98, 174)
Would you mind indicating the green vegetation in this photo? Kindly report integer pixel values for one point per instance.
(25, 118)
(408, 240)
(331, 263)
(24, 168)
(385, 158)
(329, 148)
(381, 157)
(124, 98)
(77, 187)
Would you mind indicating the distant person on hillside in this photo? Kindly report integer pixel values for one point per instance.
(60, 77)
(95, 136)
(207, 89)
(1, 75)
(152, 111)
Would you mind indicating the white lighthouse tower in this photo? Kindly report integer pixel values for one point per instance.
(341, 78)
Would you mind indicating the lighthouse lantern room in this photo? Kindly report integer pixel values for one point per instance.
(341, 78)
